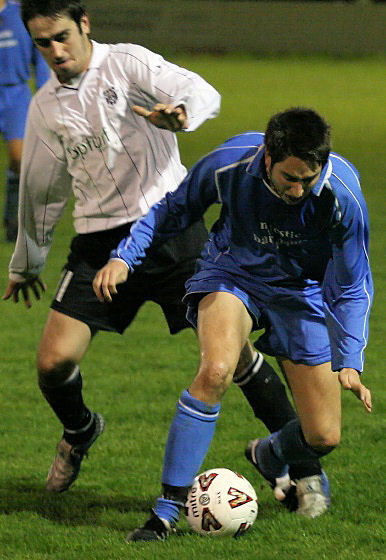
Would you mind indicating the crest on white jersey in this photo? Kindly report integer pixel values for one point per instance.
(110, 96)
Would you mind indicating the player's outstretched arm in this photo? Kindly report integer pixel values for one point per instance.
(350, 380)
(163, 116)
(34, 285)
(106, 279)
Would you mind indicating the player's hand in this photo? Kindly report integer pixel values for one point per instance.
(163, 116)
(106, 279)
(350, 380)
(34, 284)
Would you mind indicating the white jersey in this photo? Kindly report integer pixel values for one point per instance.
(83, 137)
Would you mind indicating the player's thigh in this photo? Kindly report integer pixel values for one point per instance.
(64, 341)
(317, 396)
(223, 328)
(223, 325)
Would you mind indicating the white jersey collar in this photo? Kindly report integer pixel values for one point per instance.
(324, 176)
(99, 53)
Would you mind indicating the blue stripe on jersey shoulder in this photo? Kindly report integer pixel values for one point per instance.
(245, 139)
(244, 145)
(233, 150)
(342, 165)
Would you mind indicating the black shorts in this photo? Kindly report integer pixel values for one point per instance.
(160, 278)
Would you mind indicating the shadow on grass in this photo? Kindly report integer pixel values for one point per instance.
(79, 507)
(73, 508)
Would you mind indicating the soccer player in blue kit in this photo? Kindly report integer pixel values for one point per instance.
(17, 54)
(288, 254)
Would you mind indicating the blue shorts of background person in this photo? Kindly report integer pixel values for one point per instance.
(14, 102)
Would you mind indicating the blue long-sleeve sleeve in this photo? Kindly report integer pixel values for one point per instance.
(17, 51)
(348, 287)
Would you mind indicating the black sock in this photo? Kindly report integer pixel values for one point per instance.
(269, 401)
(305, 469)
(178, 494)
(266, 394)
(11, 196)
(67, 402)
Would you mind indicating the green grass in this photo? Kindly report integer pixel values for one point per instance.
(135, 380)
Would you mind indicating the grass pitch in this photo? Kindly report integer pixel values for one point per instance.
(134, 380)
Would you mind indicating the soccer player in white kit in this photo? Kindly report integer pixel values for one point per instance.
(102, 128)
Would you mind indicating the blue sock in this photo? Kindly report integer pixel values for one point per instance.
(168, 509)
(189, 438)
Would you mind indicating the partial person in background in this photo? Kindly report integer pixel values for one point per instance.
(17, 55)
(103, 128)
(288, 254)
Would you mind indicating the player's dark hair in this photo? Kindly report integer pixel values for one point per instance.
(74, 9)
(298, 132)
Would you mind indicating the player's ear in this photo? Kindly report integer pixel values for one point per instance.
(85, 24)
(267, 160)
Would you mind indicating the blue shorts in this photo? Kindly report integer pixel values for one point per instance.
(14, 103)
(293, 318)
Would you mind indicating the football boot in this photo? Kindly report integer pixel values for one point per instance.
(66, 465)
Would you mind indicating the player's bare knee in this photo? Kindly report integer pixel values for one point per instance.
(53, 371)
(215, 376)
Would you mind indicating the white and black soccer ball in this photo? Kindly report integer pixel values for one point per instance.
(221, 502)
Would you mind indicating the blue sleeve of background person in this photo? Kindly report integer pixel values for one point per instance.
(42, 72)
(348, 287)
(17, 51)
(173, 214)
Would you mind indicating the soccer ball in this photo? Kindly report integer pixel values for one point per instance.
(221, 502)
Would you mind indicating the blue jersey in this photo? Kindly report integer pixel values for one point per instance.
(17, 51)
(322, 241)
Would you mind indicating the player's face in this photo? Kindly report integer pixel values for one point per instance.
(66, 50)
(292, 179)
